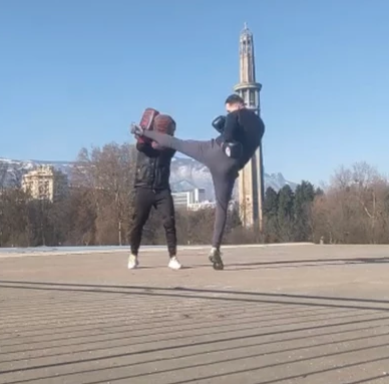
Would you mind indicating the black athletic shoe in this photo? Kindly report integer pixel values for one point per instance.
(216, 259)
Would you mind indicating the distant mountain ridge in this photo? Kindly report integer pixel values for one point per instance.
(186, 174)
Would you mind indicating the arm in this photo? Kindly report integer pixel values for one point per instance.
(167, 153)
(170, 152)
(230, 127)
(147, 149)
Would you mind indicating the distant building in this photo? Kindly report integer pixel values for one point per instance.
(197, 195)
(195, 200)
(209, 205)
(45, 183)
(251, 177)
(203, 205)
(186, 199)
(181, 199)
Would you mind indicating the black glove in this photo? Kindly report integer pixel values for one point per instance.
(219, 123)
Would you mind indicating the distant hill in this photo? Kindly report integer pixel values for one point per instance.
(186, 174)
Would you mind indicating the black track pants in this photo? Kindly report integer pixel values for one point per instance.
(145, 199)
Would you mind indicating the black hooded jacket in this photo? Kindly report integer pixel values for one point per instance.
(245, 127)
(153, 167)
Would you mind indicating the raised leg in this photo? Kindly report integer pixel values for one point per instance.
(197, 150)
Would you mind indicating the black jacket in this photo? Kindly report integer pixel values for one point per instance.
(245, 127)
(153, 167)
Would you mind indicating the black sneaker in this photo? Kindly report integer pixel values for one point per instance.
(216, 259)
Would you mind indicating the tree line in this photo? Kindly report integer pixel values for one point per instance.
(352, 208)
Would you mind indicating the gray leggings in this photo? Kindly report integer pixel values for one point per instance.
(224, 172)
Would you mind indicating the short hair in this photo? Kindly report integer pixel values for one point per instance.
(234, 99)
(164, 124)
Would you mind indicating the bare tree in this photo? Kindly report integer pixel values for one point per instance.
(355, 206)
(108, 174)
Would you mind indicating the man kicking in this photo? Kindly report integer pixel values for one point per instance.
(241, 133)
(152, 189)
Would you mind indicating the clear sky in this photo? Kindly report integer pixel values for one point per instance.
(75, 73)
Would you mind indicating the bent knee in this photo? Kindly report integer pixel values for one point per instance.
(169, 222)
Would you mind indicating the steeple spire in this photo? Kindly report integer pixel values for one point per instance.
(247, 87)
(251, 180)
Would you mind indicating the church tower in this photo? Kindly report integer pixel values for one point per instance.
(251, 178)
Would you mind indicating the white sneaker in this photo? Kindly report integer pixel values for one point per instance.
(174, 263)
(132, 262)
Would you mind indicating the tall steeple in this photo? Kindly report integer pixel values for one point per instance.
(247, 87)
(247, 56)
(251, 178)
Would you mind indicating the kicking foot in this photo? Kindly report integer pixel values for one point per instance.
(215, 258)
(174, 263)
(133, 262)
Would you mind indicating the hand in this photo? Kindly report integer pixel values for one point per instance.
(219, 123)
(136, 130)
(156, 146)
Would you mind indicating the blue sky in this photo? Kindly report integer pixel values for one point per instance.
(76, 73)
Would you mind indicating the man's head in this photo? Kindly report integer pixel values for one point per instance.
(164, 124)
(234, 102)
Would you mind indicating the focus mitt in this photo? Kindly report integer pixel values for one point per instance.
(148, 117)
(146, 123)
